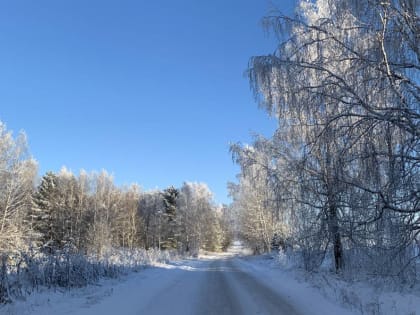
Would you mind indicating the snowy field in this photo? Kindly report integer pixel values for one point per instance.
(229, 283)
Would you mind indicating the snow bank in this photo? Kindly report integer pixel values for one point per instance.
(367, 295)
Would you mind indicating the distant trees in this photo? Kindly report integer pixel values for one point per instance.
(344, 163)
(255, 197)
(151, 210)
(129, 222)
(202, 222)
(185, 219)
(88, 214)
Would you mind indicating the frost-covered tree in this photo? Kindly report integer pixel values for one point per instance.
(58, 211)
(151, 210)
(190, 214)
(44, 211)
(255, 198)
(227, 226)
(343, 84)
(105, 198)
(17, 175)
(203, 224)
(129, 225)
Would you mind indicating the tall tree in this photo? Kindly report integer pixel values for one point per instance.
(44, 211)
(170, 196)
(343, 84)
(151, 210)
(17, 176)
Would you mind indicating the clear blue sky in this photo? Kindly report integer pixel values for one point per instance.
(152, 91)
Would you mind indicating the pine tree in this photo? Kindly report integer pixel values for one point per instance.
(43, 211)
(170, 196)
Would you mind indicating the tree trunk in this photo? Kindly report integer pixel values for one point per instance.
(336, 238)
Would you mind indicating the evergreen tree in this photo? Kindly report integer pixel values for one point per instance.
(170, 196)
(43, 211)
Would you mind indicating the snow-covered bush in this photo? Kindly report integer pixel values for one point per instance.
(25, 272)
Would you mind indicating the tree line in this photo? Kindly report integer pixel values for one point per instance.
(339, 179)
(88, 215)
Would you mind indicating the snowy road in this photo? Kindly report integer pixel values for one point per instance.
(209, 285)
(231, 290)
(215, 287)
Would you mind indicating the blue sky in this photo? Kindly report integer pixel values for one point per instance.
(151, 91)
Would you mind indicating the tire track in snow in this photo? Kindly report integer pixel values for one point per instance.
(230, 290)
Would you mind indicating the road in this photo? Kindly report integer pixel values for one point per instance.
(231, 290)
(216, 287)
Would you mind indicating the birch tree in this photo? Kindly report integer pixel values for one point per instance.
(343, 84)
(17, 176)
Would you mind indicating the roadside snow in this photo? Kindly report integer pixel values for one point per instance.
(306, 299)
(126, 295)
(356, 297)
(367, 298)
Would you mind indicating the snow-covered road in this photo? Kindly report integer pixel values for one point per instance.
(228, 289)
(220, 284)
(214, 287)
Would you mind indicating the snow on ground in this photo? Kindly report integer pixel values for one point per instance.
(355, 297)
(306, 299)
(366, 297)
(224, 283)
